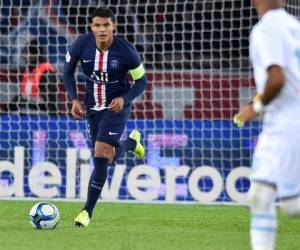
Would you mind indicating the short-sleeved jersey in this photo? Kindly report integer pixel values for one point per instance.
(106, 72)
(275, 40)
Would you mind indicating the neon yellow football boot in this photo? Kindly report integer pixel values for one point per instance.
(139, 150)
(83, 219)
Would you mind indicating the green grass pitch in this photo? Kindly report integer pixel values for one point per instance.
(139, 226)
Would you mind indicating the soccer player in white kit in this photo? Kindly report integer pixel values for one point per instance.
(275, 55)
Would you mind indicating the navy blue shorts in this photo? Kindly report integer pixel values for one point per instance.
(106, 126)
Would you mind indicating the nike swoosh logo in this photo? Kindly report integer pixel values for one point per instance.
(85, 61)
(111, 133)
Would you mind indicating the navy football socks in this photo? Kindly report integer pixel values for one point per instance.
(128, 144)
(96, 183)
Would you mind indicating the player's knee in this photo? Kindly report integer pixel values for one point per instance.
(291, 207)
(104, 150)
(261, 197)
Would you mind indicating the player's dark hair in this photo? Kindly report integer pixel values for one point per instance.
(103, 12)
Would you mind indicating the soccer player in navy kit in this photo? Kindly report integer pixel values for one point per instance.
(106, 60)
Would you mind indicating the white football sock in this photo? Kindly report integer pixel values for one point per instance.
(263, 216)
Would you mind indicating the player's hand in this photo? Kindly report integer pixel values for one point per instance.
(246, 114)
(116, 105)
(77, 110)
(238, 121)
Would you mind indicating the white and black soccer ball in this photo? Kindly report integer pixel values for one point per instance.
(44, 215)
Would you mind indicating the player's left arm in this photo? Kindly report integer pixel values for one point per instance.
(137, 72)
(140, 83)
(138, 87)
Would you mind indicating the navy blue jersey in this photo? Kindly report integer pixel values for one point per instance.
(105, 72)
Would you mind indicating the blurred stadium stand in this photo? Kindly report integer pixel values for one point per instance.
(178, 40)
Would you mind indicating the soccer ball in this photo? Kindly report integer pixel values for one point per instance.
(44, 215)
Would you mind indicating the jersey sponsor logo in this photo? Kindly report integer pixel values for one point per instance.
(112, 133)
(104, 77)
(100, 77)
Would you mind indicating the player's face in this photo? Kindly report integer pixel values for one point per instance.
(254, 2)
(103, 29)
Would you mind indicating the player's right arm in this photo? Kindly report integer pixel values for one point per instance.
(268, 52)
(270, 60)
(274, 83)
(72, 58)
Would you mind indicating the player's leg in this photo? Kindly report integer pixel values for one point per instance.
(132, 143)
(103, 154)
(263, 216)
(109, 129)
(124, 146)
(83, 218)
(266, 172)
(288, 184)
(291, 206)
(138, 148)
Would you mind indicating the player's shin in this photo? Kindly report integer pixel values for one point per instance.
(96, 183)
(263, 217)
(128, 144)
